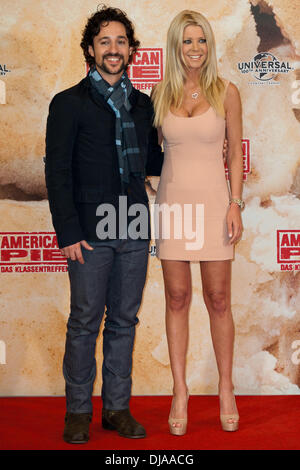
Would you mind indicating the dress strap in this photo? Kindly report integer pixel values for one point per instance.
(226, 83)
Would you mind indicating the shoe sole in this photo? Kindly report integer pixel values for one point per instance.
(131, 437)
(76, 442)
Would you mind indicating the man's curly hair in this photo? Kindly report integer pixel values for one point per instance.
(103, 17)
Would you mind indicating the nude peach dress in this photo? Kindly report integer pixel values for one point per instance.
(193, 192)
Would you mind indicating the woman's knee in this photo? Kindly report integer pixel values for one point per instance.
(217, 302)
(178, 300)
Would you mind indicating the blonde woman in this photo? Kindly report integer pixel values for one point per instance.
(194, 107)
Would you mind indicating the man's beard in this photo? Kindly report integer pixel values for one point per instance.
(107, 70)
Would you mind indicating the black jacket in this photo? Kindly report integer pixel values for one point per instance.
(81, 159)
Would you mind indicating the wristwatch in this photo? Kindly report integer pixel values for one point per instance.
(239, 202)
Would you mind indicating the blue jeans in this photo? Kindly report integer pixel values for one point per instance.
(113, 275)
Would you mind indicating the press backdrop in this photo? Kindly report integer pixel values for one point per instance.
(258, 46)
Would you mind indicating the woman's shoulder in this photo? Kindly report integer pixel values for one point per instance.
(232, 99)
(229, 86)
(231, 91)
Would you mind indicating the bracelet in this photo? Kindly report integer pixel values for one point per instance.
(239, 202)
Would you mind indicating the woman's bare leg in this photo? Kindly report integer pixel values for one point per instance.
(177, 280)
(216, 285)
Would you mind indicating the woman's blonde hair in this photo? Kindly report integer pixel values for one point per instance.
(169, 91)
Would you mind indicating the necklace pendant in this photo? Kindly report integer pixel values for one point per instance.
(195, 95)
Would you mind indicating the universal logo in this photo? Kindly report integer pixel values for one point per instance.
(3, 70)
(265, 67)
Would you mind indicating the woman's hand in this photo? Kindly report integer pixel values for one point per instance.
(234, 223)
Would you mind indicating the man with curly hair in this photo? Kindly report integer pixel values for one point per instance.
(100, 145)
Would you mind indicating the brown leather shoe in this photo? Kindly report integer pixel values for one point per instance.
(77, 426)
(123, 422)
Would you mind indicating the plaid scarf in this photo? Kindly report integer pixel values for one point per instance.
(116, 96)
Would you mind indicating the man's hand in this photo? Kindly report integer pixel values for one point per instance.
(74, 251)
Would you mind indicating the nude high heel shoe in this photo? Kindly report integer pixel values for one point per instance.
(226, 426)
(178, 430)
(229, 426)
